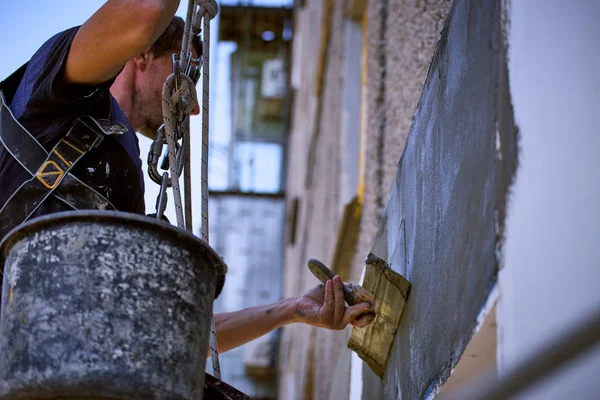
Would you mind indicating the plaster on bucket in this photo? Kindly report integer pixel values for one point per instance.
(105, 305)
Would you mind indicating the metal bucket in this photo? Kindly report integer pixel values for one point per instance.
(105, 305)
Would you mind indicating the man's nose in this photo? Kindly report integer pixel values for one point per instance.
(196, 109)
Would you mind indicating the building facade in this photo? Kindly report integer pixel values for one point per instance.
(358, 69)
(417, 133)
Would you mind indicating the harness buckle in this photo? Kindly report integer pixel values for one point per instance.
(50, 174)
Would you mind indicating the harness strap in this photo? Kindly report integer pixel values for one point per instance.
(50, 171)
(32, 193)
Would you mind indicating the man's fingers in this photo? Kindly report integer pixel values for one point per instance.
(363, 320)
(339, 310)
(332, 312)
(328, 303)
(317, 293)
(360, 315)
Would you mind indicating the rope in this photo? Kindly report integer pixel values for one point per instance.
(211, 9)
(205, 126)
(176, 109)
(187, 178)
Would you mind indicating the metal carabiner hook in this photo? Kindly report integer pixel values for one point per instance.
(162, 198)
(156, 149)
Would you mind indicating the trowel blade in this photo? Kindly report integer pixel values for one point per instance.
(374, 343)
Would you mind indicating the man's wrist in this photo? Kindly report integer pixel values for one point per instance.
(290, 309)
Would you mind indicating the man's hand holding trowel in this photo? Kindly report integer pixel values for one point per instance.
(379, 305)
(323, 306)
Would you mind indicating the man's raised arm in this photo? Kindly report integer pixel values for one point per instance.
(117, 32)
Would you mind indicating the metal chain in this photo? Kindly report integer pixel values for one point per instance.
(179, 99)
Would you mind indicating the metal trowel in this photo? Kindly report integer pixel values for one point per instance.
(388, 291)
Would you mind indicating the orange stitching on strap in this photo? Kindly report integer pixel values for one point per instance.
(72, 145)
(68, 164)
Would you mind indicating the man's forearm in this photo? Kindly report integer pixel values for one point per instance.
(169, 8)
(322, 306)
(237, 328)
(153, 16)
(119, 31)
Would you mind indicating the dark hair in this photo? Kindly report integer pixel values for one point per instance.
(171, 37)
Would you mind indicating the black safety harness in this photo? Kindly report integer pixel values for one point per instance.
(50, 171)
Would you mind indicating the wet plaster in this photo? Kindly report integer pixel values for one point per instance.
(440, 226)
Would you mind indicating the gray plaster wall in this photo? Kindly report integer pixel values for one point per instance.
(441, 228)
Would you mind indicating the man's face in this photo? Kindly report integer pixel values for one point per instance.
(150, 94)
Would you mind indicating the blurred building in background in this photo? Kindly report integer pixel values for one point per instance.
(247, 181)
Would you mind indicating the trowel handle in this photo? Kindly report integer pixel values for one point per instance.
(324, 274)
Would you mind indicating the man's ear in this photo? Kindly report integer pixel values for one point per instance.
(142, 60)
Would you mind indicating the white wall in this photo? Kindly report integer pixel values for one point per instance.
(551, 272)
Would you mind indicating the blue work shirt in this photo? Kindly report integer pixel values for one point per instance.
(47, 107)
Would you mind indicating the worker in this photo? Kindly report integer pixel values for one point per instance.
(107, 76)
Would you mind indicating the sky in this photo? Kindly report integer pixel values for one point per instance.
(25, 26)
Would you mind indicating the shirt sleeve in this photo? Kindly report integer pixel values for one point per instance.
(49, 63)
